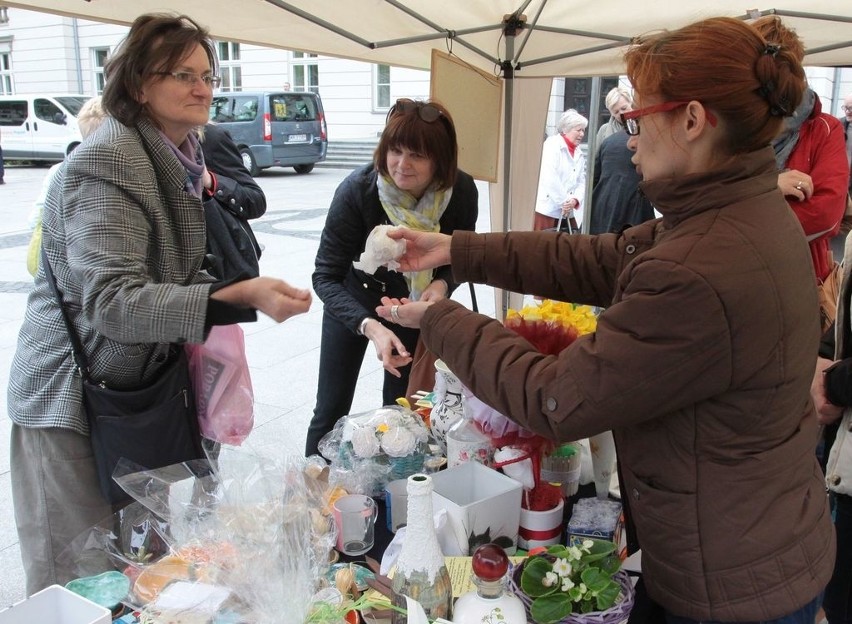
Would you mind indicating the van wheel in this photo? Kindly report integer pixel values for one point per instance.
(249, 161)
(304, 168)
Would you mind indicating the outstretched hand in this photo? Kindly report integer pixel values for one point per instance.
(274, 297)
(423, 250)
(403, 311)
(389, 348)
(826, 412)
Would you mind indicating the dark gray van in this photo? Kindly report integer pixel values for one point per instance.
(274, 128)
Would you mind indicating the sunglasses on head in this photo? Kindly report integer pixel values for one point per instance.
(427, 112)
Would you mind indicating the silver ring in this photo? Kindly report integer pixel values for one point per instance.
(395, 313)
(798, 186)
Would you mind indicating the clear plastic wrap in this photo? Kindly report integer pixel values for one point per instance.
(370, 449)
(240, 536)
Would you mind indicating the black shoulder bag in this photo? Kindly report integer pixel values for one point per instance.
(152, 426)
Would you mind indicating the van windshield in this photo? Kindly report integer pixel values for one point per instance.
(72, 103)
(293, 107)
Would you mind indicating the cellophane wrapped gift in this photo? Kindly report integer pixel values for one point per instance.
(370, 449)
(237, 538)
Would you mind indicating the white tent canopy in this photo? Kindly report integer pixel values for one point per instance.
(560, 37)
(525, 40)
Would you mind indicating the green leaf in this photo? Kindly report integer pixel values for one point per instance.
(611, 564)
(558, 550)
(608, 595)
(532, 578)
(550, 609)
(594, 579)
(599, 550)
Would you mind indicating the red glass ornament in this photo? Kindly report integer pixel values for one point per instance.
(490, 562)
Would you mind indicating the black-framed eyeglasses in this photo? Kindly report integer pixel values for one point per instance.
(189, 78)
(427, 112)
(631, 118)
(846, 109)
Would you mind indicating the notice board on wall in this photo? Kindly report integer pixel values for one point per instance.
(474, 99)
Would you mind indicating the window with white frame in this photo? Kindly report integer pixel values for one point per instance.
(381, 87)
(99, 59)
(230, 68)
(6, 82)
(305, 72)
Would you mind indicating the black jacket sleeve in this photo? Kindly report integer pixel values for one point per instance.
(235, 189)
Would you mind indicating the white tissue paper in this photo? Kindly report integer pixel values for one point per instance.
(380, 250)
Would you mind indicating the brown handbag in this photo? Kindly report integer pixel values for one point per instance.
(846, 221)
(829, 290)
(422, 375)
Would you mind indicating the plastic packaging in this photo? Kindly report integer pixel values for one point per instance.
(222, 382)
(370, 449)
(242, 536)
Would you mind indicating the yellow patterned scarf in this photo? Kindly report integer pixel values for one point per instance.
(424, 215)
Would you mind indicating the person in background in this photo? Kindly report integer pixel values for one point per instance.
(616, 200)
(839, 240)
(846, 122)
(562, 177)
(701, 362)
(414, 180)
(811, 158)
(231, 197)
(89, 119)
(832, 394)
(617, 101)
(123, 230)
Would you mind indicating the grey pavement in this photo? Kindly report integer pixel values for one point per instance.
(283, 358)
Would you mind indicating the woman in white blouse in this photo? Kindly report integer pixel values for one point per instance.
(562, 179)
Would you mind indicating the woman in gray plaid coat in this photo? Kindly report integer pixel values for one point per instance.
(124, 233)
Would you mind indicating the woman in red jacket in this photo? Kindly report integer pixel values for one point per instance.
(810, 153)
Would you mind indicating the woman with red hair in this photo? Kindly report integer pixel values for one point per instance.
(702, 361)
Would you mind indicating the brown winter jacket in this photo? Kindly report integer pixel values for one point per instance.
(701, 365)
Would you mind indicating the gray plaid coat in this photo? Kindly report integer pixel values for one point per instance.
(126, 242)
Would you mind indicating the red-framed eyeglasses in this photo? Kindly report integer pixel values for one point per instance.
(631, 118)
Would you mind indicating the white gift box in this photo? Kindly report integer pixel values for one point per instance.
(482, 506)
(55, 605)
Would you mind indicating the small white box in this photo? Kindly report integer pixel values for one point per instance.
(482, 505)
(55, 605)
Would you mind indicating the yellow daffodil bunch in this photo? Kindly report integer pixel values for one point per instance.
(552, 325)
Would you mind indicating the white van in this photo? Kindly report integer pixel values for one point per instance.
(39, 127)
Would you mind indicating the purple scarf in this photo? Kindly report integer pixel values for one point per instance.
(192, 158)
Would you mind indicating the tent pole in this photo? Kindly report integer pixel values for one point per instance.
(594, 110)
(512, 25)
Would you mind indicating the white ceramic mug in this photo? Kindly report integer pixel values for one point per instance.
(355, 519)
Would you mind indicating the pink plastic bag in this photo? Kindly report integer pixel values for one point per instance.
(222, 384)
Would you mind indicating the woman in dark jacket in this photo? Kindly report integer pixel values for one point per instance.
(414, 180)
(231, 200)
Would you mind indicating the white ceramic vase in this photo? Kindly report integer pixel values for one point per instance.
(448, 408)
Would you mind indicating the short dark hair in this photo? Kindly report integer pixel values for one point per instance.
(157, 42)
(405, 127)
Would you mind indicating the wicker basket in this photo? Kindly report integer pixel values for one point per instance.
(617, 614)
(404, 467)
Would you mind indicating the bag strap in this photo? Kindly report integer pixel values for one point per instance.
(76, 344)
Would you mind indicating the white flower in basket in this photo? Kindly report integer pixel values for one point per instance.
(370, 449)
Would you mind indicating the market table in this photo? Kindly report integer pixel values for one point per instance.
(644, 610)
